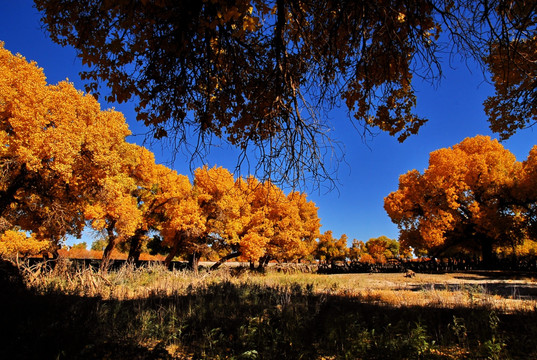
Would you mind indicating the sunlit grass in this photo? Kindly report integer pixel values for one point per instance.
(445, 291)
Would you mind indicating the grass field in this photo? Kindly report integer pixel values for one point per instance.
(152, 313)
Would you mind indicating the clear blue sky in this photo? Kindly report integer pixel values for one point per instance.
(454, 109)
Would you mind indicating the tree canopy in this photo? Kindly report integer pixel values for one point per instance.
(473, 198)
(330, 249)
(262, 75)
(382, 248)
(65, 165)
(58, 149)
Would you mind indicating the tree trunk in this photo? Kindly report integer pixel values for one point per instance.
(487, 253)
(174, 250)
(7, 197)
(136, 246)
(224, 259)
(263, 261)
(112, 239)
(107, 253)
(193, 261)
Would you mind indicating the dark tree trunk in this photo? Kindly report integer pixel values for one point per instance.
(45, 255)
(194, 261)
(263, 261)
(487, 253)
(51, 254)
(224, 259)
(136, 246)
(112, 239)
(105, 261)
(173, 251)
(7, 197)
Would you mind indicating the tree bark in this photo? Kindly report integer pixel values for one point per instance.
(263, 261)
(487, 253)
(193, 261)
(136, 246)
(174, 250)
(112, 239)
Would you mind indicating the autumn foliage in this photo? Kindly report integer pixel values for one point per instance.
(474, 198)
(17, 242)
(262, 75)
(243, 71)
(59, 150)
(331, 249)
(66, 165)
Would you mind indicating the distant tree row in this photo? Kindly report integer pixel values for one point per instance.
(474, 199)
(375, 250)
(65, 165)
(326, 249)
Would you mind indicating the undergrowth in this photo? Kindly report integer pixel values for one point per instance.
(152, 313)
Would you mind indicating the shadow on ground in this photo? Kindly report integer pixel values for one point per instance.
(505, 290)
(249, 321)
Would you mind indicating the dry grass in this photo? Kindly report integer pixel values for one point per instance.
(154, 313)
(444, 291)
(430, 290)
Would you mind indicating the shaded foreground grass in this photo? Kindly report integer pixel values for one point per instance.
(87, 315)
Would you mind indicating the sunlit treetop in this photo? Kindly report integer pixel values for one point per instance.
(464, 199)
(262, 74)
(58, 149)
(13, 243)
(46, 126)
(382, 248)
(329, 248)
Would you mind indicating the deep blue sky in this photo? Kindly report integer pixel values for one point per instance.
(454, 109)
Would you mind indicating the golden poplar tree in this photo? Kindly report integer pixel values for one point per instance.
(462, 202)
(382, 249)
(330, 249)
(58, 149)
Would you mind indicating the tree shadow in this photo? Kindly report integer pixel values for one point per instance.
(505, 290)
(241, 321)
(498, 275)
(54, 326)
